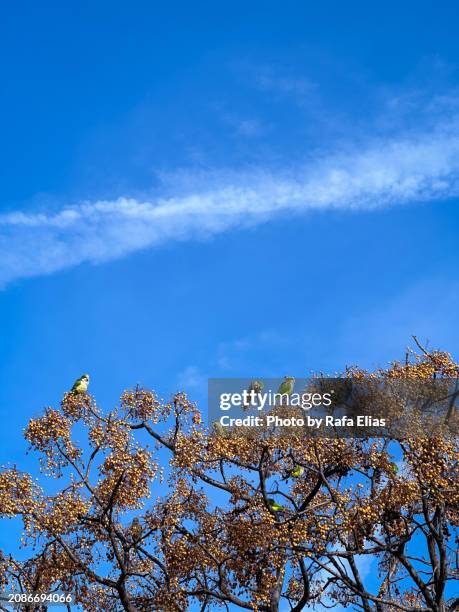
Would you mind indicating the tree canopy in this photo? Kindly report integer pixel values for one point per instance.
(147, 509)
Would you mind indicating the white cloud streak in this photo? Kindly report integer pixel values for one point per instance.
(418, 167)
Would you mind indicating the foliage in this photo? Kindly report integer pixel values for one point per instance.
(213, 538)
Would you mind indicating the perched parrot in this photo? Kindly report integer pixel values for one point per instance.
(286, 387)
(297, 471)
(256, 386)
(394, 466)
(136, 529)
(81, 384)
(275, 507)
(219, 429)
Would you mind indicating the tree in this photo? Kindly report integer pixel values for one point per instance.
(213, 538)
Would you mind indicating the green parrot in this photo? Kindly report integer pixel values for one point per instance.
(394, 466)
(81, 384)
(275, 507)
(296, 471)
(257, 386)
(219, 429)
(136, 529)
(286, 386)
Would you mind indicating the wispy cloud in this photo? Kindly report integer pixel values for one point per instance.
(426, 308)
(192, 378)
(239, 354)
(244, 127)
(269, 79)
(420, 166)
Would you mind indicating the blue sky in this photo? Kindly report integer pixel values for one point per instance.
(202, 189)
